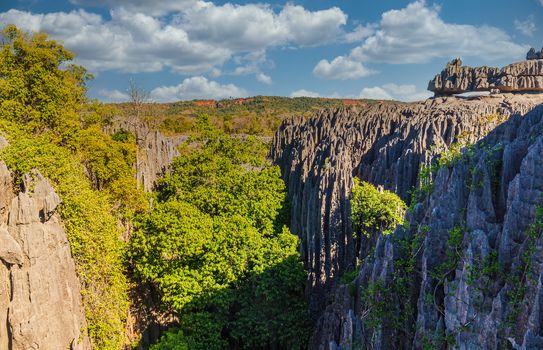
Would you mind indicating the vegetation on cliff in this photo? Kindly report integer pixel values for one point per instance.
(374, 211)
(48, 125)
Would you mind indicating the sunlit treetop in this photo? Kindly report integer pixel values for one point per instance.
(39, 87)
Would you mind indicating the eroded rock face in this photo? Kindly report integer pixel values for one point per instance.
(155, 151)
(491, 298)
(385, 145)
(524, 76)
(40, 298)
(534, 55)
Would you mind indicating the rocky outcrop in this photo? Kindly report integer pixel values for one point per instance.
(155, 151)
(384, 144)
(521, 77)
(534, 55)
(40, 299)
(475, 256)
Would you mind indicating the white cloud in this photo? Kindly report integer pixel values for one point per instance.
(392, 91)
(251, 63)
(263, 78)
(375, 93)
(526, 27)
(155, 8)
(198, 37)
(308, 28)
(254, 27)
(113, 95)
(128, 42)
(417, 34)
(360, 33)
(342, 68)
(197, 87)
(304, 93)
(215, 72)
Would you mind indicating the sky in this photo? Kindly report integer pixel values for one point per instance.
(195, 49)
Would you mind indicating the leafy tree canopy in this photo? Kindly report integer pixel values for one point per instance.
(373, 210)
(50, 127)
(216, 248)
(39, 88)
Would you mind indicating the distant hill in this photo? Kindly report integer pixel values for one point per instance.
(259, 115)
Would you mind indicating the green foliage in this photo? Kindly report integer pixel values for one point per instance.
(260, 115)
(110, 163)
(173, 339)
(106, 158)
(390, 303)
(216, 248)
(91, 227)
(373, 211)
(42, 112)
(517, 278)
(451, 155)
(453, 254)
(349, 276)
(34, 90)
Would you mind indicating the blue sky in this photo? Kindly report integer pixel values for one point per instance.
(185, 49)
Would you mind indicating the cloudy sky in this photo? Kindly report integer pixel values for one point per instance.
(189, 49)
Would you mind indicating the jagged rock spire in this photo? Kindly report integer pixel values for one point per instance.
(534, 55)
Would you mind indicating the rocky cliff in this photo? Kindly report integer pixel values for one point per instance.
(522, 77)
(155, 150)
(384, 144)
(40, 298)
(466, 273)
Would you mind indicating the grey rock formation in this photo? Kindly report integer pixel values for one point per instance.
(40, 299)
(524, 76)
(492, 297)
(155, 151)
(534, 55)
(384, 144)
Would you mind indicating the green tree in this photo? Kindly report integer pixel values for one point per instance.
(374, 211)
(38, 86)
(216, 248)
(42, 111)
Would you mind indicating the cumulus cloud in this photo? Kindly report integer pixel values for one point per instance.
(526, 27)
(128, 42)
(360, 33)
(196, 38)
(215, 72)
(375, 93)
(417, 34)
(253, 27)
(263, 78)
(342, 68)
(197, 87)
(155, 8)
(304, 93)
(394, 92)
